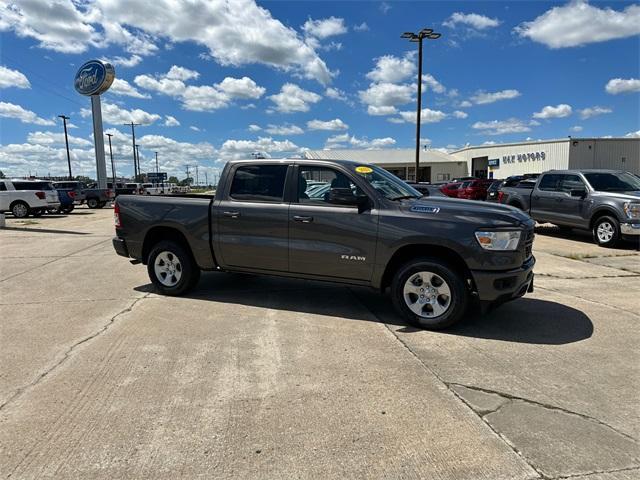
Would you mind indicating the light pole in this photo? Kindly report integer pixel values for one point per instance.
(113, 168)
(138, 157)
(133, 142)
(429, 34)
(66, 140)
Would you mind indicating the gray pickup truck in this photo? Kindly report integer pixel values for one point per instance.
(607, 202)
(335, 221)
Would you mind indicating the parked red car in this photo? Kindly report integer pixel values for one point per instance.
(451, 189)
(475, 189)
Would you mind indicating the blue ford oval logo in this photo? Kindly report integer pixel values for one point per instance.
(94, 77)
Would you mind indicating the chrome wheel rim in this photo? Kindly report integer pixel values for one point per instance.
(427, 294)
(605, 232)
(168, 268)
(20, 210)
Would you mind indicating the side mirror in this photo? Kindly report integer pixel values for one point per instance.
(578, 192)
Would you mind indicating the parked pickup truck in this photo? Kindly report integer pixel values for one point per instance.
(369, 228)
(93, 196)
(607, 202)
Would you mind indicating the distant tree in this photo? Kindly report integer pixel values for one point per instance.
(173, 180)
(186, 182)
(2, 174)
(84, 179)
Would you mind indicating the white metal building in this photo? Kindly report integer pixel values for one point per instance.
(435, 166)
(500, 161)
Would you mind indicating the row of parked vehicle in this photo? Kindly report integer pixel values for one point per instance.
(37, 197)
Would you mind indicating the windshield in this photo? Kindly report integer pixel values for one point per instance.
(613, 182)
(386, 183)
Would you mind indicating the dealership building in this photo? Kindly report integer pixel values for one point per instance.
(500, 160)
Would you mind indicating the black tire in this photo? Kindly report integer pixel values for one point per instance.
(37, 213)
(189, 271)
(68, 209)
(101, 204)
(20, 209)
(458, 298)
(606, 231)
(92, 202)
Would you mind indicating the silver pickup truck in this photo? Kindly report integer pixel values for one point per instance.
(607, 202)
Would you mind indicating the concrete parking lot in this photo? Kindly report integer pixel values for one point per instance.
(255, 377)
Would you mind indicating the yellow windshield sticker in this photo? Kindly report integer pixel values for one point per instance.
(364, 170)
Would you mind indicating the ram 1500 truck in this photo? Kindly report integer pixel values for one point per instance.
(607, 202)
(368, 228)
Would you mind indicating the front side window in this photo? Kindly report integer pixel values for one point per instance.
(259, 183)
(551, 182)
(315, 184)
(571, 182)
(613, 181)
(385, 183)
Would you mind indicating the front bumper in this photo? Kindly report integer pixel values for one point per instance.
(630, 228)
(120, 246)
(495, 287)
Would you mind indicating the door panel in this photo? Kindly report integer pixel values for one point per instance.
(571, 208)
(546, 198)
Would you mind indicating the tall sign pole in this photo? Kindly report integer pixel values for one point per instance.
(92, 79)
(113, 167)
(66, 141)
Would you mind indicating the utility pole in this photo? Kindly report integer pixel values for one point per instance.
(429, 34)
(66, 140)
(157, 169)
(197, 182)
(206, 178)
(133, 142)
(113, 168)
(138, 156)
(187, 175)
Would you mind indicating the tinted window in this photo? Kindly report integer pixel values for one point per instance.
(262, 183)
(316, 183)
(3, 187)
(571, 182)
(33, 186)
(613, 182)
(527, 185)
(551, 182)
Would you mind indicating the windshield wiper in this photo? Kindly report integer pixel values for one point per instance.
(404, 197)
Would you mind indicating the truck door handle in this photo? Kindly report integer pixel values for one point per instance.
(303, 219)
(231, 214)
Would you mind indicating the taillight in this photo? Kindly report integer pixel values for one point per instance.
(116, 215)
(41, 195)
(500, 195)
(71, 194)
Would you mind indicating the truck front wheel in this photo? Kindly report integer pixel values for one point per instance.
(171, 269)
(429, 293)
(606, 231)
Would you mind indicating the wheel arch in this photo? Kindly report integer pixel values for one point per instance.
(602, 212)
(160, 233)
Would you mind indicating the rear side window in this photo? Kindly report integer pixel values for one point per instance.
(551, 182)
(259, 183)
(32, 186)
(3, 187)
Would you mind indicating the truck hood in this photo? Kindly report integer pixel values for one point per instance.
(482, 213)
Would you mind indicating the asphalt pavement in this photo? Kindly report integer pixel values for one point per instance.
(257, 377)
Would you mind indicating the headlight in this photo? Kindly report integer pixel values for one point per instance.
(632, 209)
(499, 240)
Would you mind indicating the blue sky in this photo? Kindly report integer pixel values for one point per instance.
(214, 80)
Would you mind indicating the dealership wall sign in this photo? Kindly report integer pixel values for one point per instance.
(524, 157)
(92, 79)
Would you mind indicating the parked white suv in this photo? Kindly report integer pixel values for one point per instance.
(27, 197)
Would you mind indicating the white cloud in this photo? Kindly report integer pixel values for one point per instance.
(483, 98)
(243, 87)
(387, 95)
(335, 124)
(499, 127)
(234, 149)
(390, 69)
(473, 20)
(426, 116)
(593, 112)
(13, 78)
(115, 115)
(576, 128)
(336, 94)
(635, 134)
(346, 141)
(616, 86)
(254, 128)
(181, 73)
(124, 62)
(383, 110)
(465, 104)
(324, 28)
(71, 27)
(432, 83)
(292, 98)
(286, 129)
(384, 7)
(578, 23)
(11, 110)
(363, 27)
(460, 114)
(194, 128)
(203, 98)
(122, 87)
(559, 111)
(170, 121)
(56, 138)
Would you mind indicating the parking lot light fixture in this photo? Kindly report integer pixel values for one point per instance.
(429, 34)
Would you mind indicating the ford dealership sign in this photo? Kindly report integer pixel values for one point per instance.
(94, 77)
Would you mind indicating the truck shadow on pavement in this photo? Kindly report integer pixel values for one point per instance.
(522, 321)
(583, 236)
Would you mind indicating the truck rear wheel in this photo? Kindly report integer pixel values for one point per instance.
(429, 293)
(606, 231)
(92, 203)
(171, 268)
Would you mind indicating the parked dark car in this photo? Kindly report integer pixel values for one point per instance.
(607, 202)
(67, 200)
(370, 228)
(474, 189)
(93, 197)
(122, 189)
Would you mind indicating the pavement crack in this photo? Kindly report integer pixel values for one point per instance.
(548, 406)
(597, 472)
(562, 277)
(21, 390)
